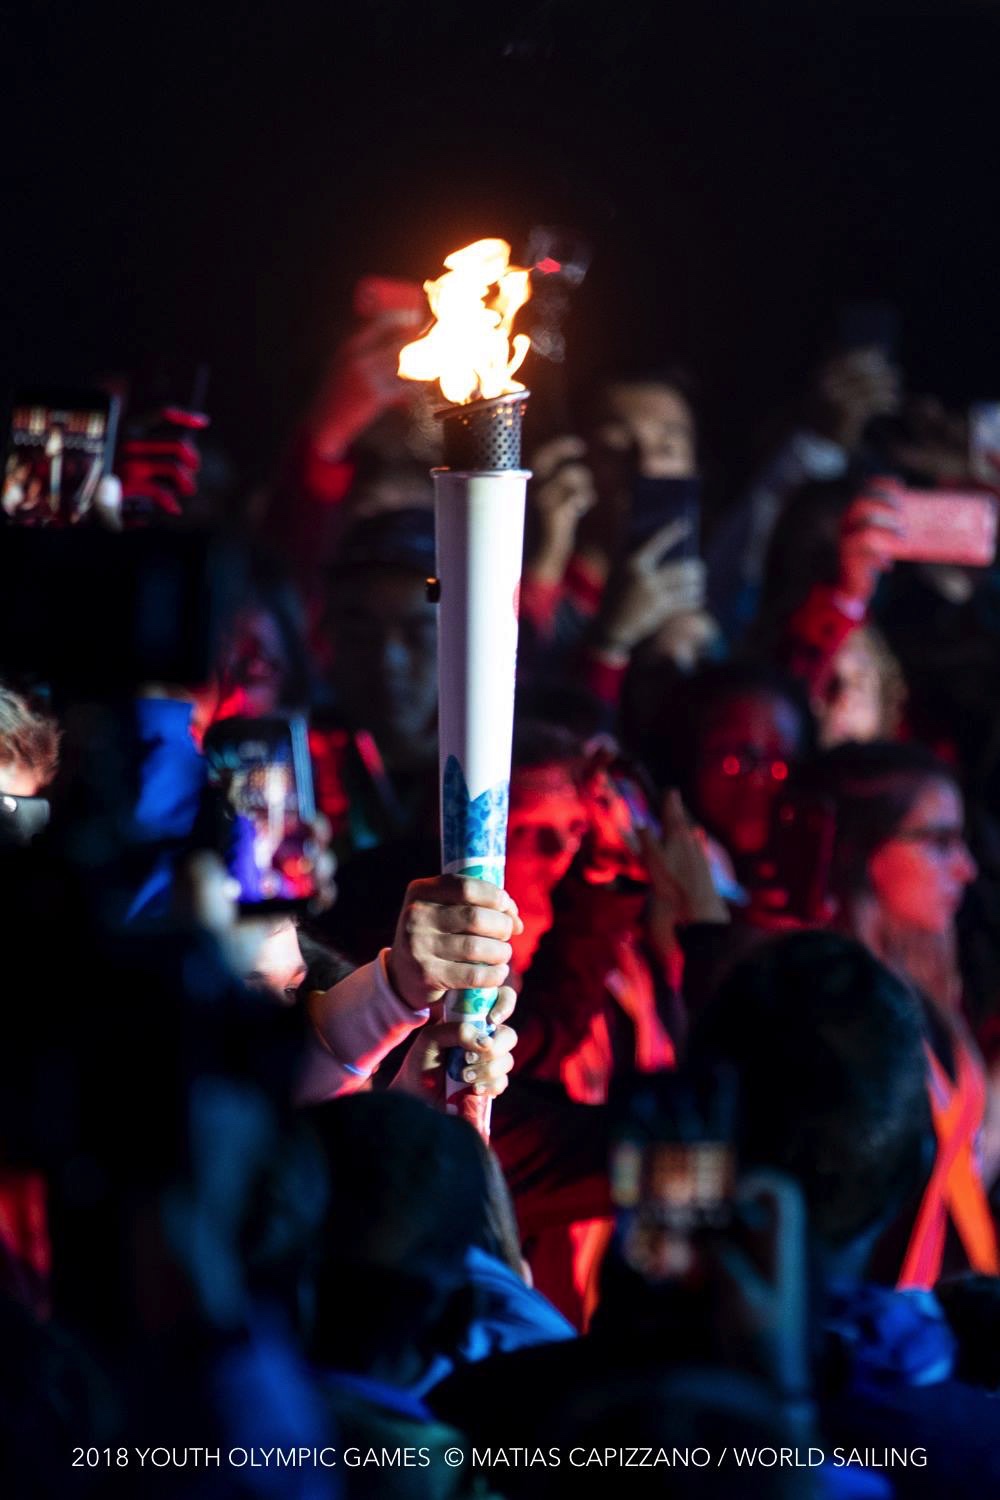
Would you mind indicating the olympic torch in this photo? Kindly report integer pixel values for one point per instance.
(479, 519)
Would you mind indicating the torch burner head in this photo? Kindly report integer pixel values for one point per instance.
(484, 436)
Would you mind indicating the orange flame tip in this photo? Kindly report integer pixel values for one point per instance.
(469, 349)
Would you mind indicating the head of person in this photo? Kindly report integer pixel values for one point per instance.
(900, 849)
(408, 1198)
(735, 730)
(382, 631)
(649, 413)
(863, 696)
(262, 665)
(278, 960)
(827, 1049)
(389, 484)
(546, 825)
(29, 747)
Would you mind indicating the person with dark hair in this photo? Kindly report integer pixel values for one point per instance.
(845, 393)
(375, 750)
(597, 998)
(727, 739)
(407, 1286)
(828, 554)
(826, 1050)
(830, 1074)
(830, 1052)
(547, 821)
(600, 579)
(900, 871)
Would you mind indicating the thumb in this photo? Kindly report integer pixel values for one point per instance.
(675, 817)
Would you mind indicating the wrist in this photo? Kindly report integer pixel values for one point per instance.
(548, 563)
(853, 594)
(851, 601)
(396, 983)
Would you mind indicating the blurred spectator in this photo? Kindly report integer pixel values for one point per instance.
(829, 1049)
(901, 868)
(727, 738)
(263, 666)
(376, 766)
(846, 394)
(29, 747)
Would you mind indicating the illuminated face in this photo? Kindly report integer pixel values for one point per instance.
(852, 706)
(919, 875)
(658, 423)
(385, 653)
(19, 780)
(748, 745)
(545, 829)
(278, 965)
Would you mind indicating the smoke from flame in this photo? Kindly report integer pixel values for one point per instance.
(469, 349)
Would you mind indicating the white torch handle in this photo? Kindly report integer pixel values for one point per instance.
(480, 531)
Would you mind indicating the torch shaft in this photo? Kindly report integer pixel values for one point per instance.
(480, 527)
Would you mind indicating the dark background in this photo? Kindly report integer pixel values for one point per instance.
(184, 183)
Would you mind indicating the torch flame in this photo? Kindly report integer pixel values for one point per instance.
(469, 348)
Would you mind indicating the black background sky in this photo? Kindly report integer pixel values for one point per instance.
(207, 182)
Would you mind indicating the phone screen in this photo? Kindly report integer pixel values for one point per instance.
(673, 1169)
(58, 448)
(947, 526)
(262, 768)
(658, 502)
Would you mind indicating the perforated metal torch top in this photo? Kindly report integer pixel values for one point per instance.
(485, 435)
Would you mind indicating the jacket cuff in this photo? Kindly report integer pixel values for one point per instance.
(354, 1026)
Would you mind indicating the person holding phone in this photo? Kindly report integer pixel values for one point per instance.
(613, 558)
(848, 391)
(360, 397)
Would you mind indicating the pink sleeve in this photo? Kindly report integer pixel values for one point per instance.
(354, 1026)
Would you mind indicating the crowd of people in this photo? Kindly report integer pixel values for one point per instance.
(745, 1053)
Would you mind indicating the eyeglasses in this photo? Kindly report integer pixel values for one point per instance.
(941, 840)
(748, 762)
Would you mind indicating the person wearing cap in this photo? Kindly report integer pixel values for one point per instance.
(375, 750)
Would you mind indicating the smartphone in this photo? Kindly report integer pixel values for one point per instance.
(636, 795)
(59, 445)
(262, 769)
(658, 502)
(376, 295)
(984, 441)
(673, 1167)
(948, 526)
(793, 877)
(22, 818)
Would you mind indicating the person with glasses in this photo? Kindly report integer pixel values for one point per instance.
(727, 738)
(901, 868)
